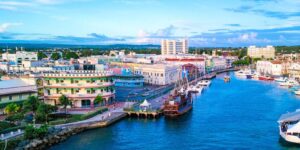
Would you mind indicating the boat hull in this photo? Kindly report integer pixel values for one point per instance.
(289, 138)
(179, 113)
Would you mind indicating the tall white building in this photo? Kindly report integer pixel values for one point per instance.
(261, 52)
(174, 47)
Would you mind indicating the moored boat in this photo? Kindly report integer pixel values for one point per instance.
(289, 127)
(280, 79)
(226, 78)
(266, 78)
(204, 83)
(178, 103)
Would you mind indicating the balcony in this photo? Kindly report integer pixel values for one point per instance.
(79, 85)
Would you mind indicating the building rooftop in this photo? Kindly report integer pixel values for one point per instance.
(4, 84)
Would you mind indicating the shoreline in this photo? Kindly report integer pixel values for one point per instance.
(73, 129)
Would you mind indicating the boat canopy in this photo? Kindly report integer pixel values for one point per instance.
(294, 116)
(145, 104)
(294, 128)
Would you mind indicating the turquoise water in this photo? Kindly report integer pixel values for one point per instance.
(241, 114)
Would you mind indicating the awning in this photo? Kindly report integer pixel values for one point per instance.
(293, 116)
(145, 104)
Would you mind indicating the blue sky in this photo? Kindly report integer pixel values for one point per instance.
(203, 22)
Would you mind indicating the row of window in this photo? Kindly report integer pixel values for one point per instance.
(10, 97)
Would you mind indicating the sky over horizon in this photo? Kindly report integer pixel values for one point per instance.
(206, 23)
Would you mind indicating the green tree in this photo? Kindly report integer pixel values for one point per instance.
(12, 108)
(69, 55)
(31, 104)
(55, 56)
(43, 111)
(98, 99)
(32, 132)
(41, 55)
(64, 101)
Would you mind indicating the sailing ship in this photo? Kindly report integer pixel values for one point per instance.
(180, 100)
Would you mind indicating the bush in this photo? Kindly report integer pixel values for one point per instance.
(33, 133)
(15, 117)
(4, 125)
(12, 144)
(93, 114)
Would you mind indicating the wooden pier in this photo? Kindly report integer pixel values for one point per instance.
(144, 114)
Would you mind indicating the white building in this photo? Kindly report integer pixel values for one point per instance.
(158, 74)
(261, 52)
(294, 70)
(174, 47)
(19, 56)
(275, 68)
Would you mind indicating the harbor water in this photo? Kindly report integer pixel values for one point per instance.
(241, 114)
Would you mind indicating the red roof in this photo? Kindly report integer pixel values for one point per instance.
(184, 59)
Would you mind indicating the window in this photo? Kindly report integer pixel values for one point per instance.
(20, 97)
(10, 97)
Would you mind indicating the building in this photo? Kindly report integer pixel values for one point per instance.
(81, 87)
(158, 74)
(199, 63)
(274, 68)
(19, 57)
(294, 70)
(261, 52)
(172, 47)
(124, 77)
(16, 90)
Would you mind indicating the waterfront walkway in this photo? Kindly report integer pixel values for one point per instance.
(11, 134)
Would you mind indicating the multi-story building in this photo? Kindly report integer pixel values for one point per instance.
(81, 87)
(294, 70)
(171, 47)
(19, 56)
(16, 90)
(261, 52)
(158, 74)
(275, 68)
(199, 63)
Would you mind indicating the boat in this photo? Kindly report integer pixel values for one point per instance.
(289, 127)
(266, 78)
(280, 79)
(204, 83)
(199, 88)
(244, 73)
(193, 89)
(145, 94)
(289, 83)
(179, 101)
(297, 92)
(226, 78)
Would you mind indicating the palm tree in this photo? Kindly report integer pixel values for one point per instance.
(44, 110)
(64, 101)
(32, 104)
(98, 99)
(11, 108)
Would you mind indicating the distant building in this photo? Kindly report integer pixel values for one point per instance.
(261, 52)
(171, 47)
(126, 78)
(19, 57)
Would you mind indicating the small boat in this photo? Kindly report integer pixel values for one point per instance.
(204, 83)
(199, 88)
(297, 92)
(266, 78)
(280, 79)
(244, 73)
(193, 89)
(289, 83)
(226, 78)
(289, 127)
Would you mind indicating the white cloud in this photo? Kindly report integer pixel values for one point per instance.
(5, 26)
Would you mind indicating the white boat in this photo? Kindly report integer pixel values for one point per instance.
(204, 83)
(289, 82)
(193, 89)
(244, 73)
(297, 92)
(289, 127)
(199, 88)
(280, 79)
